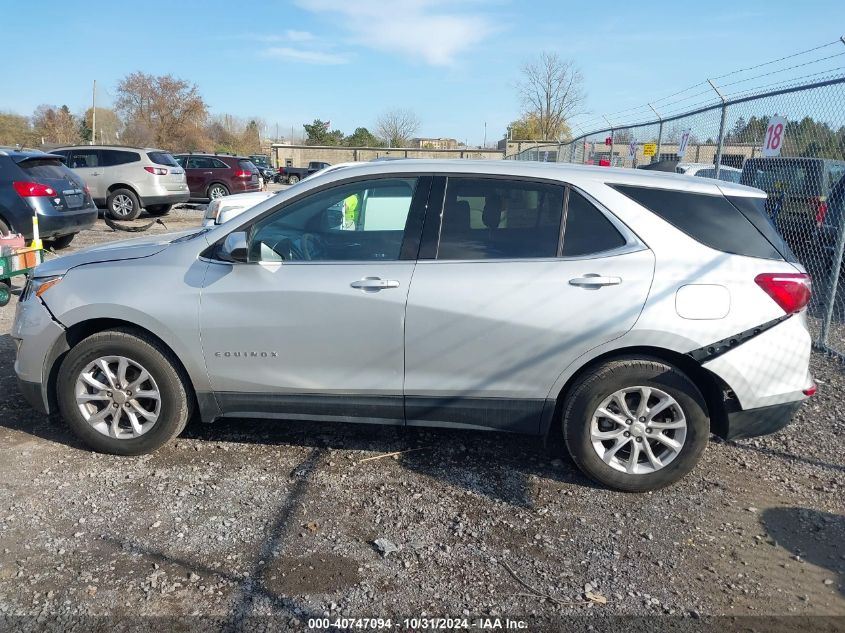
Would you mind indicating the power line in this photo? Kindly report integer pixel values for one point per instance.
(775, 61)
(780, 70)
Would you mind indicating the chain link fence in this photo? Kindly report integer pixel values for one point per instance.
(789, 142)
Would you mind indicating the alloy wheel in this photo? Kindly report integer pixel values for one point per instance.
(638, 430)
(122, 205)
(118, 397)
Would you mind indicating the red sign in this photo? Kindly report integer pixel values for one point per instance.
(608, 140)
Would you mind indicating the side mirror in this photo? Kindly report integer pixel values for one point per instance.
(234, 248)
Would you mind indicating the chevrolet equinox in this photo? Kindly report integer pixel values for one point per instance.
(633, 312)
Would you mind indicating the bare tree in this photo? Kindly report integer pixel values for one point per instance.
(164, 111)
(396, 127)
(55, 125)
(551, 90)
(15, 130)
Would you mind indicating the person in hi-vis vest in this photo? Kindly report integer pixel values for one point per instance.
(350, 213)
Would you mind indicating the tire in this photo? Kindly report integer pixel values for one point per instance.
(293, 179)
(123, 204)
(159, 209)
(166, 377)
(58, 243)
(217, 191)
(597, 387)
(4, 228)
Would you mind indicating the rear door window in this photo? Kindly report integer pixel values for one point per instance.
(200, 162)
(82, 159)
(491, 218)
(709, 219)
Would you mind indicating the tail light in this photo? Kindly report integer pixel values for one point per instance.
(791, 291)
(33, 190)
(243, 173)
(156, 171)
(821, 210)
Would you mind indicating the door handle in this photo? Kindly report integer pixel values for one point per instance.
(374, 283)
(593, 280)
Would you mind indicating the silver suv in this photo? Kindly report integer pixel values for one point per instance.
(126, 179)
(632, 312)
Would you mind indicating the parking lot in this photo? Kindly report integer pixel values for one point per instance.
(252, 517)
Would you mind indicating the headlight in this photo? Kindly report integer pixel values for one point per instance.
(37, 286)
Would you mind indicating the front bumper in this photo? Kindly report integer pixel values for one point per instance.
(37, 334)
(761, 421)
(34, 395)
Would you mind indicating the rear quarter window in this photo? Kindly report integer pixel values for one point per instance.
(114, 157)
(248, 165)
(162, 158)
(711, 220)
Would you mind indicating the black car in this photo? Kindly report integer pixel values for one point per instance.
(830, 221)
(32, 183)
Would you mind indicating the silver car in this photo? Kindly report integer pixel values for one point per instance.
(632, 312)
(125, 180)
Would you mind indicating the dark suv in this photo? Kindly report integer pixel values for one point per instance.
(35, 183)
(798, 188)
(212, 176)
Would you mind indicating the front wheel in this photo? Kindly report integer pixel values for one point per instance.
(635, 424)
(122, 392)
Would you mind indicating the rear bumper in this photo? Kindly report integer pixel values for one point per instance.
(762, 421)
(65, 222)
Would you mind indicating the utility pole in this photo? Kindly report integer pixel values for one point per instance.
(485, 135)
(94, 114)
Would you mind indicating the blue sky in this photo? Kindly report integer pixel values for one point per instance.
(454, 62)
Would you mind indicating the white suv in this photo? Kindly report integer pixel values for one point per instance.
(126, 179)
(634, 312)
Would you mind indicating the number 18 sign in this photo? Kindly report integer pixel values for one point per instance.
(773, 140)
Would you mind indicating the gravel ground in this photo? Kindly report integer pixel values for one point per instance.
(248, 518)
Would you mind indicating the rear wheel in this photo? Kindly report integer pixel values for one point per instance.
(121, 392)
(159, 209)
(293, 179)
(123, 204)
(216, 191)
(58, 243)
(635, 424)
